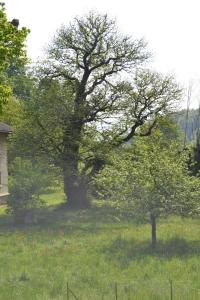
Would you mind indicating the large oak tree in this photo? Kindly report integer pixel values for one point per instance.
(92, 95)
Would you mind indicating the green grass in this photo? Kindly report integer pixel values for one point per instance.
(93, 249)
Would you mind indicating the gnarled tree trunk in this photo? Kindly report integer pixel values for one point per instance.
(75, 188)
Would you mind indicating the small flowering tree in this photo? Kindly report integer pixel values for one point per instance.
(151, 178)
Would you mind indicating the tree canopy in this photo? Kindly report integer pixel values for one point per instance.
(12, 51)
(92, 94)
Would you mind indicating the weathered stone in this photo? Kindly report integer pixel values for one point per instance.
(4, 131)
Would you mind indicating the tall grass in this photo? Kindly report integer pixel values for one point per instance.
(92, 250)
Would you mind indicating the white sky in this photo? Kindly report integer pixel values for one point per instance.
(171, 28)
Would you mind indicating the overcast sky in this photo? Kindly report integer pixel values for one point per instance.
(171, 28)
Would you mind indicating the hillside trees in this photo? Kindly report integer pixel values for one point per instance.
(92, 95)
(12, 52)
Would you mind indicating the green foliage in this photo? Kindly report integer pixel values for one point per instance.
(152, 178)
(27, 182)
(22, 82)
(12, 52)
(12, 113)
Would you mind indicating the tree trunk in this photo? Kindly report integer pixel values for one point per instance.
(153, 231)
(75, 189)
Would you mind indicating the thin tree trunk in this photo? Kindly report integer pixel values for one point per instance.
(153, 231)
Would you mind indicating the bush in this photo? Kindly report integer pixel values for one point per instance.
(27, 182)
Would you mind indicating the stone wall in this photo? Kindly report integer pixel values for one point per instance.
(3, 166)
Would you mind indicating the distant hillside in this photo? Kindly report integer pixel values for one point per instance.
(191, 125)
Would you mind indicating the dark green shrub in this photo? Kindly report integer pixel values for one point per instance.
(27, 182)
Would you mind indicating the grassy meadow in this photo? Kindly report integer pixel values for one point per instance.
(92, 250)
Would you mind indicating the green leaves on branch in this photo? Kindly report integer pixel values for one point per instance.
(152, 178)
(12, 51)
(28, 181)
